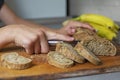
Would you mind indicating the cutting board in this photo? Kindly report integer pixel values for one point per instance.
(41, 70)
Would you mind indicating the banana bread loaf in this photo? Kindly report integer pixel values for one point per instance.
(96, 44)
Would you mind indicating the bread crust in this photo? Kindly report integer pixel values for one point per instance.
(7, 62)
(52, 61)
(68, 51)
(16, 66)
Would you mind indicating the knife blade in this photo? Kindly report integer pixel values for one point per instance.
(54, 42)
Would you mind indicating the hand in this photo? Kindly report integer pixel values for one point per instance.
(34, 41)
(65, 32)
(69, 28)
(55, 35)
(51, 34)
(33, 38)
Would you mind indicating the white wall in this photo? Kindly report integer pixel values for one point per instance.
(38, 8)
(110, 8)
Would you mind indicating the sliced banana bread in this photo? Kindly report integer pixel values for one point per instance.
(14, 61)
(59, 60)
(68, 51)
(87, 54)
(96, 44)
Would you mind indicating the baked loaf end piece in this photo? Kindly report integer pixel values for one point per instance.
(13, 60)
(101, 46)
(96, 44)
(84, 34)
(59, 60)
(68, 51)
(87, 54)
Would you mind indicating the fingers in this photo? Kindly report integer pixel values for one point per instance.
(71, 31)
(39, 42)
(85, 25)
(43, 43)
(25, 43)
(58, 36)
(37, 47)
(28, 43)
(75, 24)
(29, 49)
(34, 41)
(70, 27)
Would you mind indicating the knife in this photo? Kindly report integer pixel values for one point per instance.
(54, 42)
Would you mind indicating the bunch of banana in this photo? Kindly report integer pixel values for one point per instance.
(104, 26)
(98, 19)
(103, 31)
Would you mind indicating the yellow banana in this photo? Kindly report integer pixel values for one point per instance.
(98, 19)
(103, 31)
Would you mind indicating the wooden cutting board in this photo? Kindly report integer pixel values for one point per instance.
(42, 70)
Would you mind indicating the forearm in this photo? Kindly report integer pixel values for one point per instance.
(9, 17)
(34, 25)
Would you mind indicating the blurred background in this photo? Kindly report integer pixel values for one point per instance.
(53, 12)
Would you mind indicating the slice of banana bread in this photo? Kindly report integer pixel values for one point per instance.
(87, 54)
(68, 51)
(59, 60)
(14, 61)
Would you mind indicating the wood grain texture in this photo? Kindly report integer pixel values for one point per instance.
(41, 70)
